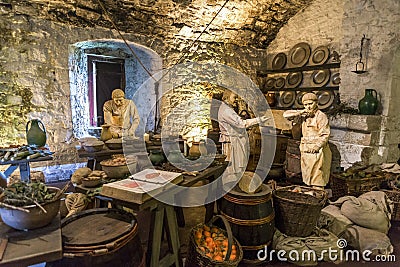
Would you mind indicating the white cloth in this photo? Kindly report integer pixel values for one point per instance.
(235, 143)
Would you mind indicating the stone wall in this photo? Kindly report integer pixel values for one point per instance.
(341, 25)
(35, 56)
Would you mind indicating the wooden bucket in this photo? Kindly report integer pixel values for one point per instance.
(101, 237)
(251, 217)
(292, 163)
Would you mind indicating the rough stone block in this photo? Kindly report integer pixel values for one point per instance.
(340, 121)
(337, 134)
(367, 123)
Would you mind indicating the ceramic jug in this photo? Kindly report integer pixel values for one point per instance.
(369, 103)
(194, 151)
(105, 132)
(35, 133)
(175, 156)
(156, 157)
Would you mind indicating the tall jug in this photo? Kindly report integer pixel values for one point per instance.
(369, 103)
(36, 134)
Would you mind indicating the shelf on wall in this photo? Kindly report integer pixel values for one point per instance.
(303, 89)
(304, 68)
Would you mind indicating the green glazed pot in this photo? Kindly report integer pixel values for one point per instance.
(369, 103)
(36, 133)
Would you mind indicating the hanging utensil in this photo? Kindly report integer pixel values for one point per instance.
(361, 66)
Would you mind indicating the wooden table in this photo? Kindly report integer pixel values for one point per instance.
(164, 213)
(94, 158)
(23, 165)
(31, 247)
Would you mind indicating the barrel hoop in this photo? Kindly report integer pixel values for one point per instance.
(293, 155)
(258, 247)
(102, 249)
(248, 201)
(260, 221)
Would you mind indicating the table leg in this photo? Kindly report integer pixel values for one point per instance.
(155, 236)
(213, 192)
(173, 235)
(24, 170)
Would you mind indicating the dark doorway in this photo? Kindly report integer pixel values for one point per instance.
(105, 75)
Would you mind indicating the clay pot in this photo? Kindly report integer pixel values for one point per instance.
(36, 134)
(369, 103)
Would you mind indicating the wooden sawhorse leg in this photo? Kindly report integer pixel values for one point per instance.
(155, 238)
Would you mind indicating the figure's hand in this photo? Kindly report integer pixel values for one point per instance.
(314, 149)
(263, 119)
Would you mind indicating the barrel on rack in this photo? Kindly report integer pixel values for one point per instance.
(292, 163)
(251, 217)
(101, 237)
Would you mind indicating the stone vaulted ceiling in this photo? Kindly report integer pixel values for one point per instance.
(244, 23)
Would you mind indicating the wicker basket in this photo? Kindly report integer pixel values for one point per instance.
(197, 257)
(342, 186)
(296, 214)
(394, 195)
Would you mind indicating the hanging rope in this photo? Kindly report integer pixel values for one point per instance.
(198, 37)
(122, 37)
(141, 63)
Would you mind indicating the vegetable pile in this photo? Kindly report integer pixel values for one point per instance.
(21, 194)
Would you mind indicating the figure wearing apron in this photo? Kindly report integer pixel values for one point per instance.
(316, 155)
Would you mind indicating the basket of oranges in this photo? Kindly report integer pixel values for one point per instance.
(210, 245)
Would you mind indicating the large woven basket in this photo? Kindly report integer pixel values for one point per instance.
(342, 186)
(296, 214)
(197, 257)
(394, 195)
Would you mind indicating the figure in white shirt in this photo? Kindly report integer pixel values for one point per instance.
(233, 137)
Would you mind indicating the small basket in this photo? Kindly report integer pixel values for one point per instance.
(342, 186)
(296, 214)
(197, 257)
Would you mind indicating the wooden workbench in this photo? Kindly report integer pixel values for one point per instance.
(165, 216)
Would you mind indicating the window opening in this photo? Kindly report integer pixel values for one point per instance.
(105, 75)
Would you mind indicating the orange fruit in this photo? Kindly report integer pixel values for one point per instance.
(218, 258)
(232, 257)
(206, 228)
(198, 234)
(209, 239)
(206, 233)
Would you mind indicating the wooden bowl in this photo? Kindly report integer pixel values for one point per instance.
(36, 218)
(118, 171)
(114, 144)
(93, 146)
(91, 182)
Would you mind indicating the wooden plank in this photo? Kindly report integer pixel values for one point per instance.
(33, 246)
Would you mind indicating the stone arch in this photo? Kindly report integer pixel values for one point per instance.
(135, 75)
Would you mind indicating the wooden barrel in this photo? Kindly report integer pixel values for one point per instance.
(292, 163)
(101, 237)
(251, 217)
